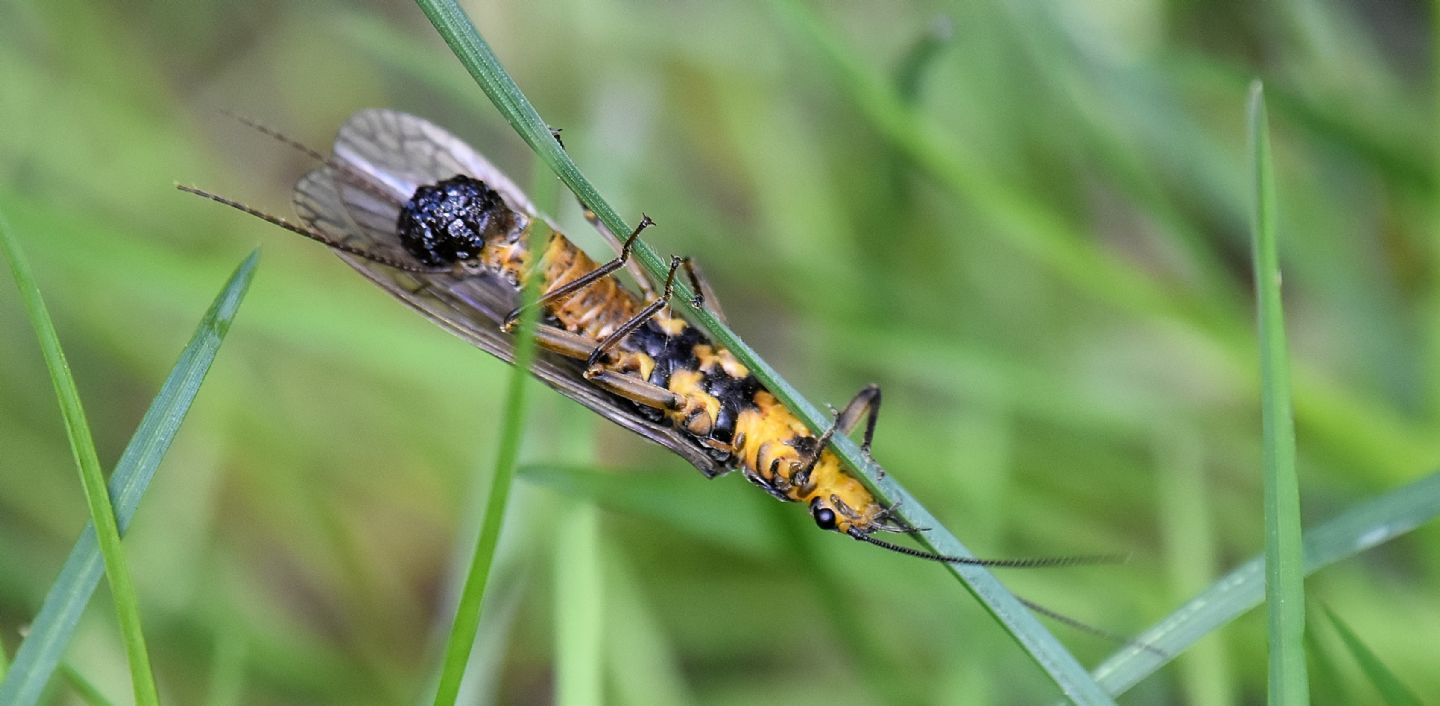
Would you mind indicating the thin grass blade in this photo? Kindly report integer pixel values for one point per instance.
(1188, 528)
(1325, 675)
(472, 595)
(643, 664)
(53, 626)
(82, 445)
(1391, 689)
(1366, 525)
(473, 52)
(579, 607)
(227, 671)
(86, 689)
(582, 604)
(1284, 553)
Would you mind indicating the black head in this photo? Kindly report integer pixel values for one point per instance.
(449, 221)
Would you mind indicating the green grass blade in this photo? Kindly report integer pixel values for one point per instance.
(473, 52)
(1364, 526)
(582, 605)
(1284, 553)
(1325, 675)
(1391, 689)
(53, 626)
(579, 607)
(89, 693)
(472, 595)
(122, 589)
(227, 672)
(1188, 529)
(644, 666)
(665, 499)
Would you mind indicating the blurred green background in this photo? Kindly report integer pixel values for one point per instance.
(1028, 224)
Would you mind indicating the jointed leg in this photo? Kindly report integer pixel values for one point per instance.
(638, 320)
(584, 280)
(642, 277)
(866, 402)
(701, 285)
(698, 282)
(577, 347)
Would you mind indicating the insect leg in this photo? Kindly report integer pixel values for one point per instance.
(702, 288)
(770, 488)
(635, 389)
(867, 402)
(636, 321)
(801, 476)
(889, 520)
(584, 280)
(698, 281)
(642, 277)
(575, 346)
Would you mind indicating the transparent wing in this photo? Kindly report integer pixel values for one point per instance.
(352, 201)
(404, 152)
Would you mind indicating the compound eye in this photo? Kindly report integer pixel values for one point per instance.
(825, 517)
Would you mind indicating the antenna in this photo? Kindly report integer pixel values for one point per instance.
(1084, 627)
(1030, 563)
(311, 233)
(1021, 563)
(354, 176)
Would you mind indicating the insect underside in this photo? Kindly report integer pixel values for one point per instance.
(426, 218)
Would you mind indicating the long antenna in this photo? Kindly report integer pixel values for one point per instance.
(1030, 563)
(1091, 629)
(1021, 563)
(311, 233)
(354, 176)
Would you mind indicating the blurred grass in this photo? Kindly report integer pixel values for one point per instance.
(1023, 409)
(83, 687)
(1189, 531)
(1363, 526)
(1391, 689)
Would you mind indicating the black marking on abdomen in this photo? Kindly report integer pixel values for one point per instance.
(670, 353)
(805, 445)
(735, 395)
